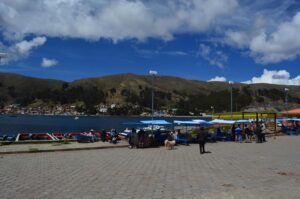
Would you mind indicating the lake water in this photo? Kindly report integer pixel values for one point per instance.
(40, 124)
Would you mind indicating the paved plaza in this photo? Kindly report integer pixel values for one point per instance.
(55, 146)
(231, 170)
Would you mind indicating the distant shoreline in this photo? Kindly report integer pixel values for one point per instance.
(133, 116)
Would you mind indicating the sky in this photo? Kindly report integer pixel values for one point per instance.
(249, 41)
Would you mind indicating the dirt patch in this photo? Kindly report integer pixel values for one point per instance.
(282, 173)
(227, 185)
(289, 174)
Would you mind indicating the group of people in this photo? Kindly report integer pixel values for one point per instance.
(136, 139)
(111, 137)
(290, 126)
(246, 134)
(239, 133)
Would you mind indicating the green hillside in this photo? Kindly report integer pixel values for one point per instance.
(130, 91)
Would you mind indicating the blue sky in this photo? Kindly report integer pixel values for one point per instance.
(223, 40)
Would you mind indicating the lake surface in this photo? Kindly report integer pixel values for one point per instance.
(40, 124)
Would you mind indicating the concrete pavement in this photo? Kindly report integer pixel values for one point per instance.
(231, 170)
(56, 146)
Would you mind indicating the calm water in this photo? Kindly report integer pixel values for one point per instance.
(39, 124)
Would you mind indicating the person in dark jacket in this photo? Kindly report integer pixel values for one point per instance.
(103, 135)
(131, 137)
(202, 136)
(233, 132)
(258, 133)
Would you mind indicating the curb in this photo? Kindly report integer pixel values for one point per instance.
(61, 150)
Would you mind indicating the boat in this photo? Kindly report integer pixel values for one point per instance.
(35, 136)
(76, 118)
(58, 135)
(7, 137)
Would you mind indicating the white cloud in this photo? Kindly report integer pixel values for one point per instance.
(237, 38)
(116, 20)
(265, 30)
(281, 77)
(217, 79)
(47, 63)
(21, 49)
(282, 44)
(24, 47)
(213, 56)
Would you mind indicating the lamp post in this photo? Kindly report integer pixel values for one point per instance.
(212, 111)
(153, 73)
(286, 100)
(230, 83)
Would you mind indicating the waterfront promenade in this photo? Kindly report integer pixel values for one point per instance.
(231, 170)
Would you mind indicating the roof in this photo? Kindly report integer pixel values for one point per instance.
(292, 112)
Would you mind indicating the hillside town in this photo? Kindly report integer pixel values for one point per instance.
(72, 110)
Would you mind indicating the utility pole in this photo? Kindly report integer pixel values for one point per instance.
(286, 100)
(153, 73)
(230, 83)
(212, 111)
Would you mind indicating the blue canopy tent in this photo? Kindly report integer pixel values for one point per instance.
(220, 121)
(155, 122)
(156, 136)
(148, 122)
(289, 129)
(243, 121)
(203, 122)
(133, 123)
(179, 122)
(288, 119)
(222, 136)
(183, 138)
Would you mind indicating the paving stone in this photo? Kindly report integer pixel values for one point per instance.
(232, 170)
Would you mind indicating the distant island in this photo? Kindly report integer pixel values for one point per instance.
(130, 94)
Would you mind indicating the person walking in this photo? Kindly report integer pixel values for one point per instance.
(263, 132)
(202, 136)
(258, 134)
(103, 135)
(238, 133)
(247, 133)
(233, 132)
(131, 137)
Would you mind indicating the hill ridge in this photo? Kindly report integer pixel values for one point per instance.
(130, 89)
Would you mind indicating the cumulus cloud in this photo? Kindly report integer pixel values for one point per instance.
(47, 63)
(21, 49)
(265, 30)
(217, 79)
(24, 47)
(237, 38)
(213, 56)
(281, 77)
(116, 20)
(282, 44)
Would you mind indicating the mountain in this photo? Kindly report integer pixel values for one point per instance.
(131, 91)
